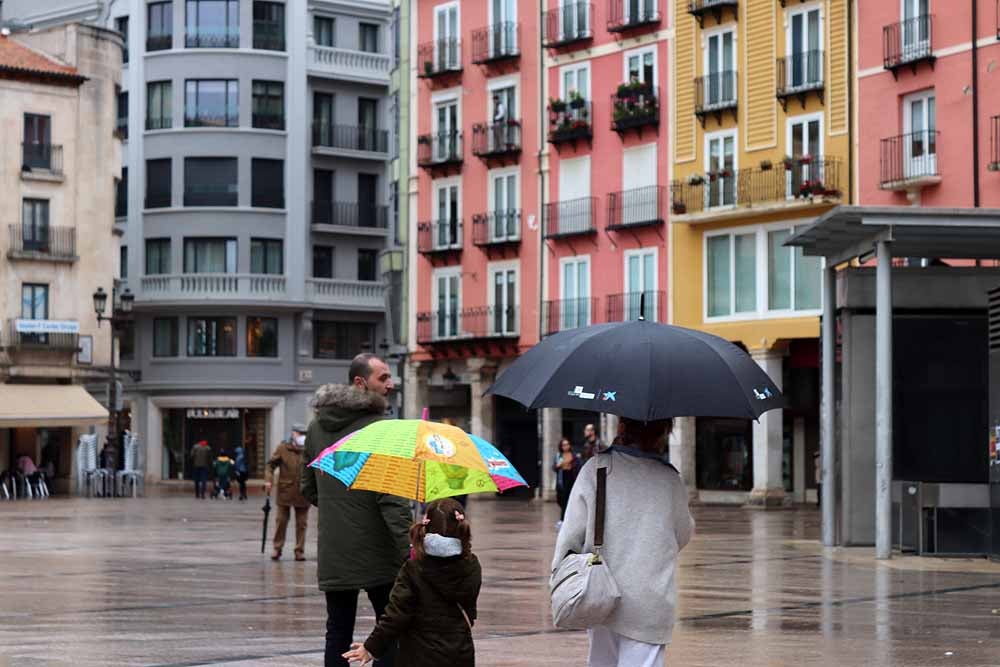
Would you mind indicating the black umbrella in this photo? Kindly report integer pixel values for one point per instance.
(640, 370)
(267, 510)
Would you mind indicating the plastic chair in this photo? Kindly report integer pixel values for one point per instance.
(130, 477)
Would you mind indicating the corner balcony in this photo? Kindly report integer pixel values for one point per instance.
(440, 152)
(804, 182)
(43, 162)
(570, 121)
(635, 106)
(42, 243)
(566, 314)
(568, 25)
(349, 65)
(497, 143)
(715, 94)
(566, 219)
(628, 306)
(496, 230)
(222, 38)
(496, 43)
(439, 237)
(190, 288)
(798, 76)
(22, 335)
(631, 15)
(346, 294)
(350, 141)
(350, 215)
(908, 162)
(908, 44)
(635, 209)
(439, 59)
(483, 323)
(699, 8)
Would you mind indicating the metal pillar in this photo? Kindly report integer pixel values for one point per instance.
(883, 402)
(828, 409)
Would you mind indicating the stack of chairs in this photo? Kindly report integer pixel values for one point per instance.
(92, 481)
(131, 477)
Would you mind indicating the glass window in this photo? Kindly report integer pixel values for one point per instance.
(269, 26)
(367, 263)
(724, 459)
(368, 37)
(37, 141)
(324, 31)
(34, 301)
(121, 118)
(267, 183)
(159, 105)
(266, 256)
(121, 25)
(745, 272)
(157, 256)
(165, 337)
(396, 30)
(209, 255)
(158, 183)
(126, 340)
(322, 261)
(719, 297)
(779, 271)
(159, 26)
(210, 181)
(123, 262)
(213, 24)
(262, 337)
(322, 119)
(121, 194)
(35, 224)
(808, 280)
(211, 337)
(342, 340)
(269, 105)
(211, 103)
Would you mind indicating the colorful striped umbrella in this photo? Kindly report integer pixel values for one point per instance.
(418, 459)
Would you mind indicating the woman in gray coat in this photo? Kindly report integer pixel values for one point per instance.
(648, 523)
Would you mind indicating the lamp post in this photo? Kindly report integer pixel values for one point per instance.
(121, 311)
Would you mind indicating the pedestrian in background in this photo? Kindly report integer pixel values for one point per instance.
(591, 443)
(818, 474)
(201, 460)
(566, 466)
(223, 472)
(287, 462)
(242, 471)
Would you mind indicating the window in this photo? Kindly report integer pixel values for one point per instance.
(920, 128)
(367, 264)
(447, 55)
(165, 337)
(266, 256)
(267, 183)
(916, 33)
(123, 262)
(37, 141)
(342, 340)
(731, 270)
(157, 257)
(322, 209)
(503, 27)
(503, 208)
(159, 26)
(576, 79)
(641, 66)
(213, 24)
(34, 306)
(640, 279)
(211, 103)
(446, 229)
(720, 161)
(121, 195)
(446, 129)
(448, 299)
(394, 195)
(793, 280)
(574, 16)
(121, 115)
(158, 183)
(126, 340)
(504, 301)
(35, 224)
(211, 337)
(121, 25)
(322, 261)
(368, 134)
(575, 292)
(262, 337)
(159, 105)
(324, 31)
(805, 48)
(396, 33)
(805, 137)
(720, 79)
(368, 210)
(368, 37)
(269, 105)
(268, 26)
(322, 119)
(210, 181)
(209, 255)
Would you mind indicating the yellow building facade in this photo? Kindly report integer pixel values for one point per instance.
(761, 147)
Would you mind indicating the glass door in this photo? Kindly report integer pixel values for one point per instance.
(446, 141)
(503, 32)
(503, 135)
(505, 302)
(916, 32)
(721, 190)
(447, 233)
(640, 279)
(323, 119)
(806, 67)
(573, 19)
(576, 294)
(447, 306)
(641, 67)
(368, 125)
(505, 213)
(446, 53)
(920, 142)
(720, 86)
(805, 143)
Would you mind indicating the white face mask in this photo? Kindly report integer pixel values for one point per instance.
(300, 440)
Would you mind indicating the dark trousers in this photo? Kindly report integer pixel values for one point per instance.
(562, 497)
(241, 477)
(222, 484)
(341, 610)
(200, 481)
(819, 495)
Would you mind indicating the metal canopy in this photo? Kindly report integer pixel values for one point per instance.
(848, 232)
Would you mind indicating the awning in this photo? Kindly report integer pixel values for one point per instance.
(38, 405)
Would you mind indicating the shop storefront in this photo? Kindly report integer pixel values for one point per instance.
(224, 429)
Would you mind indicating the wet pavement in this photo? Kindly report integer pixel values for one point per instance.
(170, 581)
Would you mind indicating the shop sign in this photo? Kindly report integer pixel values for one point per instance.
(213, 413)
(47, 326)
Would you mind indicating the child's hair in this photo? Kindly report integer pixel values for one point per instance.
(446, 517)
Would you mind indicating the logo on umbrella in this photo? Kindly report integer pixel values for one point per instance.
(495, 464)
(440, 445)
(580, 393)
(762, 395)
(610, 396)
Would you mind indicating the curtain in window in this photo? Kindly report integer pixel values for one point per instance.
(745, 256)
(719, 301)
(779, 271)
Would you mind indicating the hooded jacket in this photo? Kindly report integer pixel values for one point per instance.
(363, 536)
(424, 615)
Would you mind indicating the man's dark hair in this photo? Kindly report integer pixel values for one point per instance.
(361, 366)
(647, 436)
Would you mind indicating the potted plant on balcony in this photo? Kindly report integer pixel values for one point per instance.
(576, 100)
(428, 67)
(695, 179)
(557, 105)
(725, 173)
(765, 165)
(789, 163)
(805, 159)
(679, 208)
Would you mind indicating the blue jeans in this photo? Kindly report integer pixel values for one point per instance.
(200, 476)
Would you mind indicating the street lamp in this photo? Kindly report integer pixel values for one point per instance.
(121, 311)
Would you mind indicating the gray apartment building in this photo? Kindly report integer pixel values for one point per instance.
(253, 209)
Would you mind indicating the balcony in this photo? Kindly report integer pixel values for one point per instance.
(496, 43)
(439, 237)
(699, 8)
(565, 219)
(202, 118)
(798, 75)
(223, 38)
(469, 324)
(268, 121)
(350, 141)
(44, 243)
(908, 44)
(350, 214)
(636, 208)
(209, 287)
(568, 25)
(439, 59)
(566, 314)
(497, 142)
(570, 121)
(715, 94)
(42, 335)
(628, 306)
(629, 15)
(634, 106)
(496, 229)
(159, 42)
(41, 160)
(346, 294)
(908, 162)
(801, 182)
(350, 65)
(439, 151)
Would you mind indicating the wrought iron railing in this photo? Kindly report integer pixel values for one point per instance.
(715, 92)
(800, 72)
(629, 306)
(566, 314)
(569, 23)
(42, 242)
(42, 157)
(349, 214)
(908, 157)
(570, 218)
(351, 137)
(496, 228)
(908, 42)
(227, 38)
(439, 236)
(634, 105)
(635, 208)
(496, 42)
(500, 138)
(630, 14)
(439, 57)
(570, 120)
(482, 322)
(14, 339)
(439, 149)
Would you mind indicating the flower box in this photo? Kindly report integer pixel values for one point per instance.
(679, 208)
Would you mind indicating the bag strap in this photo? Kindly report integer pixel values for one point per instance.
(600, 509)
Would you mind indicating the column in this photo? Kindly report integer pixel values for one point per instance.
(768, 485)
(416, 388)
(827, 408)
(883, 402)
(608, 429)
(551, 434)
(799, 459)
(682, 453)
(482, 373)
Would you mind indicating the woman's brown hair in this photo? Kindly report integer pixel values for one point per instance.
(647, 436)
(445, 517)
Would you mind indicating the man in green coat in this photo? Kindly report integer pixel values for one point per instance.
(363, 536)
